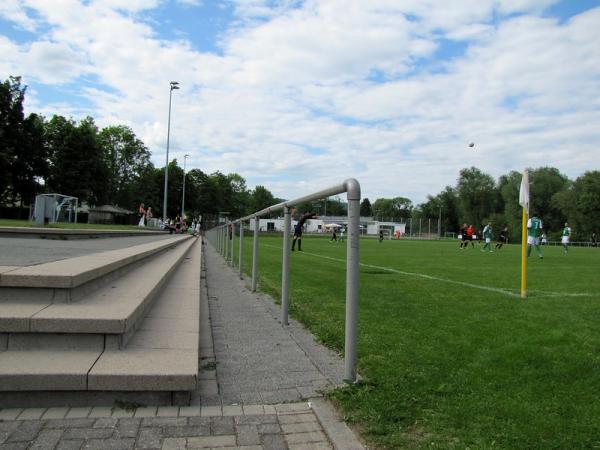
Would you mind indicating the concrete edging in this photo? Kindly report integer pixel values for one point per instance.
(340, 435)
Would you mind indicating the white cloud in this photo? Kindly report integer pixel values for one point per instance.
(345, 77)
(14, 11)
(127, 5)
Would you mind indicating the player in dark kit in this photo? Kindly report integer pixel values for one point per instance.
(464, 237)
(502, 238)
(298, 230)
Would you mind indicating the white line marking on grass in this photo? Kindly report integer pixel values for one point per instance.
(445, 280)
(560, 294)
(414, 274)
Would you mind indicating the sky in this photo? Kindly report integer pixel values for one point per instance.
(299, 95)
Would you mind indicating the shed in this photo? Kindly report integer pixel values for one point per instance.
(109, 214)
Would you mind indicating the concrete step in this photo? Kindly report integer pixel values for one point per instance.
(72, 279)
(113, 310)
(161, 356)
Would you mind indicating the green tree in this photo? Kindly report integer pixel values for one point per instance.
(580, 205)
(261, 198)
(365, 208)
(195, 179)
(240, 196)
(30, 164)
(444, 204)
(148, 189)
(392, 208)
(11, 129)
(511, 213)
(78, 165)
(126, 159)
(477, 196)
(545, 183)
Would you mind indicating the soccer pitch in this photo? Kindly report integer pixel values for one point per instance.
(450, 355)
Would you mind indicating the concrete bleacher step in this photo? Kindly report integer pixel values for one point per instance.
(71, 279)
(140, 333)
(111, 309)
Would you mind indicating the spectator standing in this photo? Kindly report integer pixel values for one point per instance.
(142, 215)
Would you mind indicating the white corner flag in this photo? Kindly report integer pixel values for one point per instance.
(524, 202)
(524, 191)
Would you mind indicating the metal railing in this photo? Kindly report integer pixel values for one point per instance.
(223, 239)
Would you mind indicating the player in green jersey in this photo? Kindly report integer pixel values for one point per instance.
(566, 237)
(535, 229)
(487, 235)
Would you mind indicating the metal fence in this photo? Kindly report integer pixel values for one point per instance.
(223, 239)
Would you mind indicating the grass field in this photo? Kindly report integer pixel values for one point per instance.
(450, 356)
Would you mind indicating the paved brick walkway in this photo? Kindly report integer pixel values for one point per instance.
(257, 360)
(284, 426)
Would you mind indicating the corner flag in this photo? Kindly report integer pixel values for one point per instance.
(524, 191)
(524, 202)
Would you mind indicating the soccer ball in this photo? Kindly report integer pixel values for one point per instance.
(472, 144)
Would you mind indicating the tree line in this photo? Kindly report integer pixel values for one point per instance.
(112, 166)
(103, 166)
(477, 198)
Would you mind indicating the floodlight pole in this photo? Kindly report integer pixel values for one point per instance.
(183, 197)
(174, 85)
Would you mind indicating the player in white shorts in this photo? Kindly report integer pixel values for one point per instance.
(566, 237)
(534, 230)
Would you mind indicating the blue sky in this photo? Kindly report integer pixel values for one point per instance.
(299, 95)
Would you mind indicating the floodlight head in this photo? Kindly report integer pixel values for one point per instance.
(175, 83)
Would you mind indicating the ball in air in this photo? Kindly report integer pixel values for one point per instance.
(472, 144)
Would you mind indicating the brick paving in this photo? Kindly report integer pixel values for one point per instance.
(281, 426)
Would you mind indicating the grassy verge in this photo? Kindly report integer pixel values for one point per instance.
(450, 356)
(70, 226)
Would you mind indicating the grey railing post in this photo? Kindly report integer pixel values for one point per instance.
(352, 188)
(255, 254)
(227, 241)
(241, 252)
(220, 239)
(233, 227)
(285, 271)
(221, 242)
(352, 278)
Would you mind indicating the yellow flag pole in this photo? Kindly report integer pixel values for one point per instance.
(524, 256)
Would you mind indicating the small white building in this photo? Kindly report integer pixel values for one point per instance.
(276, 225)
(393, 227)
(322, 225)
